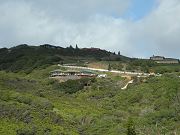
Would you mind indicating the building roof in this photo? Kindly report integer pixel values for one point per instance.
(71, 71)
(88, 72)
(157, 57)
(57, 70)
(171, 59)
(164, 59)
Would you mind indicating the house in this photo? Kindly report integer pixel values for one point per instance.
(72, 74)
(163, 60)
(157, 58)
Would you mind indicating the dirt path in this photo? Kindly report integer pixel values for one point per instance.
(125, 87)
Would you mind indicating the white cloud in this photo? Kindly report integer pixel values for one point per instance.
(55, 21)
(161, 28)
(77, 10)
(91, 23)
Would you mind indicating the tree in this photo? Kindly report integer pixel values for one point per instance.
(71, 47)
(119, 53)
(109, 67)
(77, 47)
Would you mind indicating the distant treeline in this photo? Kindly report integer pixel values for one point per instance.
(26, 58)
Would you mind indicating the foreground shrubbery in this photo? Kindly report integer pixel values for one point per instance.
(34, 104)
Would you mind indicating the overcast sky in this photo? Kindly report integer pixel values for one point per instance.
(137, 28)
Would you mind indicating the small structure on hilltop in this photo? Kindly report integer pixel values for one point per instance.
(163, 60)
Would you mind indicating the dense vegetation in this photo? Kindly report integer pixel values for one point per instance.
(34, 104)
(26, 58)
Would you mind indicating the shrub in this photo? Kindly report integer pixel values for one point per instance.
(26, 131)
(130, 127)
(72, 86)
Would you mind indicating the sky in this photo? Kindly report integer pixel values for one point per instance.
(136, 28)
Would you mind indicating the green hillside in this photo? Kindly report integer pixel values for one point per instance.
(26, 58)
(31, 103)
(34, 104)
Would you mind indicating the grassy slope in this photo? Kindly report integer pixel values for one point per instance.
(33, 104)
